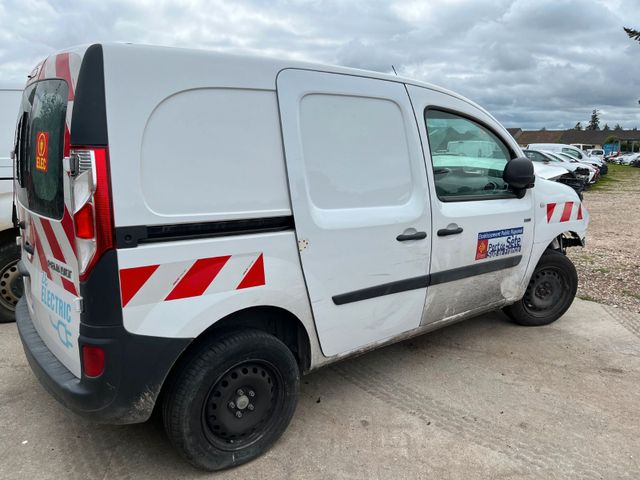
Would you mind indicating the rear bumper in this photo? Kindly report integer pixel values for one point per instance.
(135, 369)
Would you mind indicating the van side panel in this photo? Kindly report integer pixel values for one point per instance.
(179, 289)
(187, 134)
(214, 152)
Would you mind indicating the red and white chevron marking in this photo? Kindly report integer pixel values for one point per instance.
(54, 241)
(177, 280)
(564, 212)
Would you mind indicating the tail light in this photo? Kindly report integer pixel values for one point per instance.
(92, 217)
(93, 360)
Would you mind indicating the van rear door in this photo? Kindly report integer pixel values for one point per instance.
(44, 203)
(360, 202)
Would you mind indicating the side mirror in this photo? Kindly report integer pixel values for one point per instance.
(518, 173)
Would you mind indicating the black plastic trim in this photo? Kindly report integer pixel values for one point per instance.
(136, 366)
(380, 290)
(89, 117)
(101, 293)
(424, 281)
(130, 237)
(475, 269)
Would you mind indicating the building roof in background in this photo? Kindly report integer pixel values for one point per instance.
(587, 137)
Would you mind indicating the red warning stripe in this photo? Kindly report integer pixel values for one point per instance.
(64, 71)
(40, 252)
(57, 253)
(132, 280)
(550, 208)
(198, 278)
(580, 212)
(566, 213)
(67, 226)
(254, 276)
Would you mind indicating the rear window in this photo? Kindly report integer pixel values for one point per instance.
(41, 146)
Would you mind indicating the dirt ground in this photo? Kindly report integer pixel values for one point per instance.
(609, 266)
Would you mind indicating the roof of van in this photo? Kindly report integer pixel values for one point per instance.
(261, 70)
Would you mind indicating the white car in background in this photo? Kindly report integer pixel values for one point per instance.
(569, 160)
(596, 153)
(627, 158)
(10, 282)
(575, 152)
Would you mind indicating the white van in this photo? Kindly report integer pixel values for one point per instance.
(200, 229)
(10, 282)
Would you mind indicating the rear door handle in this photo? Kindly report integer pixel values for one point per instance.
(28, 248)
(411, 236)
(444, 232)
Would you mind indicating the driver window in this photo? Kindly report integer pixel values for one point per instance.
(468, 159)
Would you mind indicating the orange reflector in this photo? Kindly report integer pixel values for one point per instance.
(92, 360)
(84, 222)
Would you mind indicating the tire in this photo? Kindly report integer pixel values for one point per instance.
(232, 399)
(550, 292)
(11, 284)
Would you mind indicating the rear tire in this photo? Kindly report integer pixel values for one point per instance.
(11, 284)
(550, 292)
(232, 399)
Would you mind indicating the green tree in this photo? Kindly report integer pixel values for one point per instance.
(594, 123)
(606, 127)
(633, 34)
(578, 126)
(617, 127)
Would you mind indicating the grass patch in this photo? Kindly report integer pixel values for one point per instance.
(617, 174)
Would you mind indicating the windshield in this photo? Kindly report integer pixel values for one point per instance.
(40, 147)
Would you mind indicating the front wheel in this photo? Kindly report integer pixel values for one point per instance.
(232, 400)
(550, 292)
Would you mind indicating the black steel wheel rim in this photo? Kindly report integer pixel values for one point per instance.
(243, 404)
(11, 286)
(547, 291)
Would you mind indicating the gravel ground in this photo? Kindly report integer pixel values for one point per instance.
(609, 266)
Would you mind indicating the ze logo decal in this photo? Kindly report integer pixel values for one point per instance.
(62, 310)
(42, 151)
(498, 243)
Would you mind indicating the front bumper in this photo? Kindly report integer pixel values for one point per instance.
(135, 369)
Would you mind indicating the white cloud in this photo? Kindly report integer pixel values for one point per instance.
(531, 63)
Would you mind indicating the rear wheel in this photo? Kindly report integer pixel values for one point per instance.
(550, 292)
(232, 399)
(11, 284)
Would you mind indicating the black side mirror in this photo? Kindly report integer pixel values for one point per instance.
(518, 173)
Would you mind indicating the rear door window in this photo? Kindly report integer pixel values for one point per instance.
(41, 148)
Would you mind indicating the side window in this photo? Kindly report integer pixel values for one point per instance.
(468, 159)
(572, 152)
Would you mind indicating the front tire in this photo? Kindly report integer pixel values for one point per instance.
(550, 292)
(232, 399)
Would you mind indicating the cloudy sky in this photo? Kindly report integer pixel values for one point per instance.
(532, 63)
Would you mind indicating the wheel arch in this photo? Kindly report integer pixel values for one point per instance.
(276, 321)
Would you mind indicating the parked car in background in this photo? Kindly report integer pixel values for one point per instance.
(594, 172)
(627, 158)
(570, 174)
(612, 157)
(596, 153)
(571, 150)
(635, 163)
(10, 282)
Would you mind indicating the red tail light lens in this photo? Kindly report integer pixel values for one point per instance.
(84, 222)
(93, 219)
(93, 360)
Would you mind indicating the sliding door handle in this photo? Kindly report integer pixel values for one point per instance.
(444, 232)
(411, 236)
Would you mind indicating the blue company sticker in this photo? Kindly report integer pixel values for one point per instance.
(59, 307)
(498, 243)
